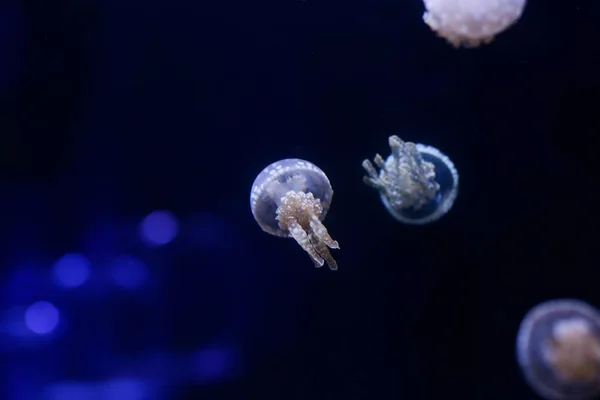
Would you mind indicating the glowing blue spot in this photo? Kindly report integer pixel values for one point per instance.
(114, 389)
(214, 363)
(129, 272)
(70, 391)
(126, 389)
(159, 228)
(41, 317)
(72, 270)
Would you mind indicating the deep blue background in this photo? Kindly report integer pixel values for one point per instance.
(111, 110)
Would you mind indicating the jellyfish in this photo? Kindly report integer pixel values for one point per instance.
(417, 183)
(558, 350)
(290, 198)
(470, 23)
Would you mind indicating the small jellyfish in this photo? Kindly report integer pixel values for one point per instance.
(417, 183)
(470, 23)
(558, 350)
(290, 198)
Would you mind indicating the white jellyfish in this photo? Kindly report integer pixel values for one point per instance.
(471, 22)
(558, 350)
(290, 198)
(417, 183)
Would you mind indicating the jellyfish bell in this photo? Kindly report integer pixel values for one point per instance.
(558, 350)
(290, 198)
(471, 23)
(417, 183)
(273, 183)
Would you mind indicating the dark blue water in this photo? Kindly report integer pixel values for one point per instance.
(111, 111)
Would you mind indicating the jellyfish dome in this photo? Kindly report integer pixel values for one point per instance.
(558, 350)
(470, 23)
(290, 198)
(417, 183)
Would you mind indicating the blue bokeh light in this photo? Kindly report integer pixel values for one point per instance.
(72, 270)
(214, 364)
(159, 228)
(70, 391)
(42, 317)
(129, 271)
(125, 389)
(114, 389)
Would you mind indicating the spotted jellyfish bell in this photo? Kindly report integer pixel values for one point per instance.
(290, 198)
(470, 23)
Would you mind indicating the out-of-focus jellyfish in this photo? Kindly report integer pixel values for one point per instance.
(558, 350)
(470, 23)
(290, 198)
(417, 183)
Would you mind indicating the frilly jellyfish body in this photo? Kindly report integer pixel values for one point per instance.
(470, 23)
(290, 198)
(417, 183)
(558, 350)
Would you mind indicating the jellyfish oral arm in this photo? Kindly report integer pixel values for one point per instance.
(298, 213)
(405, 179)
(301, 237)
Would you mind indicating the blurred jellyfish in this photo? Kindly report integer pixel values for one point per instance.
(71, 270)
(417, 183)
(470, 23)
(290, 198)
(41, 317)
(159, 228)
(558, 350)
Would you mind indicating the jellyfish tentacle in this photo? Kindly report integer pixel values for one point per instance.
(299, 214)
(303, 240)
(371, 171)
(373, 178)
(321, 232)
(379, 161)
(323, 250)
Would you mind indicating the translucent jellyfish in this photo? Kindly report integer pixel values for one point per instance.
(471, 22)
(290, 198)
(417, 183)
(558, 350)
